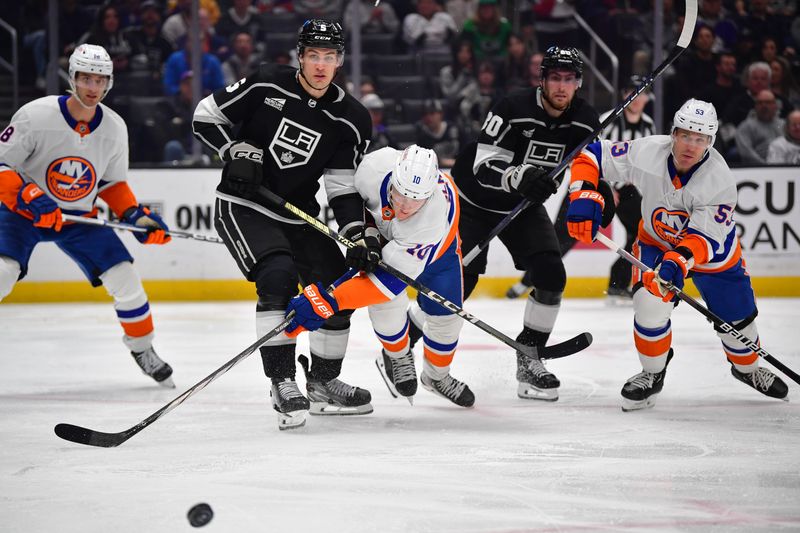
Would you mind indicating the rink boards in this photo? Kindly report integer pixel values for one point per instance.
(767, 216)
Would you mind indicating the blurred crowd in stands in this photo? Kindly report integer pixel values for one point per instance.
(432, 69)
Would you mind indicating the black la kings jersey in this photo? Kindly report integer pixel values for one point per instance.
(302, 138)
(518, 130)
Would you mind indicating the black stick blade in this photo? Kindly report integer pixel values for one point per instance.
(568, 347)
(90, 437)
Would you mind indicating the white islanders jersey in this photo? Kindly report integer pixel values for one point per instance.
(420, 239)
(700, 203)
(71, 161)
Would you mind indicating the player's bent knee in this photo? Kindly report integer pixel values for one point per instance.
(9, 274)
(547, 272)
(123, 283)
(746, 327)
(389, 317)
(443, 328)
(338, 322)
(275, 275)
(651, 311)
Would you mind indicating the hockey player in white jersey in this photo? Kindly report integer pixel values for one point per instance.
(413, 212)
(688, 201)
(58, 155)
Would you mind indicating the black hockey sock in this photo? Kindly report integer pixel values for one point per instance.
(278, 361)
(324, 369)
(531, 337)
(414, 333)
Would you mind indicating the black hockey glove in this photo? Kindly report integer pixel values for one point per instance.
(244, 173)
(367, 254)
(530, 181)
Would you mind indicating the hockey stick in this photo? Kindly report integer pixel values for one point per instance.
(91, 437)
(683, 41)
(138, 229)
(713, 318)
(563, 349)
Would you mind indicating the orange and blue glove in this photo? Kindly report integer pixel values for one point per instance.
(156, 227)
(672, 270)
(585, 214)
(312, 308)
(46, 213)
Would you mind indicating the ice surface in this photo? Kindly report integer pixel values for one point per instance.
(713, 455)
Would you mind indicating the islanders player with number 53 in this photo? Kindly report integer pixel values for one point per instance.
(58, 155)
(687, 229)
(412, 213)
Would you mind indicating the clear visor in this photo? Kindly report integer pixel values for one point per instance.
(692, 139)
(91, 81)
(405, 204)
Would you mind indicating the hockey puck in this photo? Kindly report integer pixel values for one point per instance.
(200, 515)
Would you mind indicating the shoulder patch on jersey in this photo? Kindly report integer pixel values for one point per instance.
(277, 103)
(71, 178)
(293, 144)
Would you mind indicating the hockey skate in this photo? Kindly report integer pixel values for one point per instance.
(152, 365)
(399, 374)
(449, 388)
(517, 290)
(641, 390)
(289, 403)
(764, 381)
(335, 397)
(616, 296)
(535, 381)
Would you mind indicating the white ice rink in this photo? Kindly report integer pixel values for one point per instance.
(713, 455)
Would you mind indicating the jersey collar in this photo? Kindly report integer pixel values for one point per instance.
(83, 128)
(681, 181)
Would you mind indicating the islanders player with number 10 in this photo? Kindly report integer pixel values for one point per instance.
(412, 225)
(58, 155)
(688, 200)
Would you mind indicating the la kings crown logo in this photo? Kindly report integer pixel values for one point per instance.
(293, 144)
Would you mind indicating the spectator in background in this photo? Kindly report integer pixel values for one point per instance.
(769, 50)
(785, 150)
(516, 67)
(759, 129)
(242, 16)
(478, 101)
(73, 21)
(177, 22)
(435, 133)
(643, 36)
(374, 19)
(488, 31)
(460, 10)
(319, 9)
(553, 22)
(782, 82)
(693, 70)
(726, 84)
(181, 110)
(535, 70)
(244, 60)
(106, 32)
(713, 14)
(756, 79)
(456, 78)
(181, 61)
(429, 30)
(149, 50)
(211, 7)
(760, 23)
(380, 133)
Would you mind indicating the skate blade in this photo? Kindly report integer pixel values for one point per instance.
(291, 420)
(385, 376)
(440, 395)
(526, 391)
(166, 383)
(636, 405)
(330, 409)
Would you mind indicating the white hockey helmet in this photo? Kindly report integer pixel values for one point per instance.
(697, 116)
(91, 59)
(416, 173)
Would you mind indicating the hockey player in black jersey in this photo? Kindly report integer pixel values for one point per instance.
(523, 137)
(294, 126)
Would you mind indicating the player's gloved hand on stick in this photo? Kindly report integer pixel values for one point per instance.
(366, 256)
(532, 182)
(46, 213)
(244, 172)
(673, 270)
(584, 214)
(312, 308)
(156, 227)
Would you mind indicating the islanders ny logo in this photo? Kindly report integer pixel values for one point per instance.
(71, 178)
(669, 225)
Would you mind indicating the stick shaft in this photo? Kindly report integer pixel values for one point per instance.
(138, 229)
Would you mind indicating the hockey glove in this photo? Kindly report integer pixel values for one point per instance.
(584, 214)
(46, 213)
(244, 172)
(311, 309)
(673, 270)
(366, 256)
(156, 227)
(532, 182)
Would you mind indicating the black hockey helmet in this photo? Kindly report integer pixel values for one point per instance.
(318, 33)
(557, 58)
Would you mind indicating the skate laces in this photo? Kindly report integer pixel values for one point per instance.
(403, 368)
(536, 367)
(288, 389)
(148, 360)
(340, 388)
(762, 379)
(643, 380)
(450, 387)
